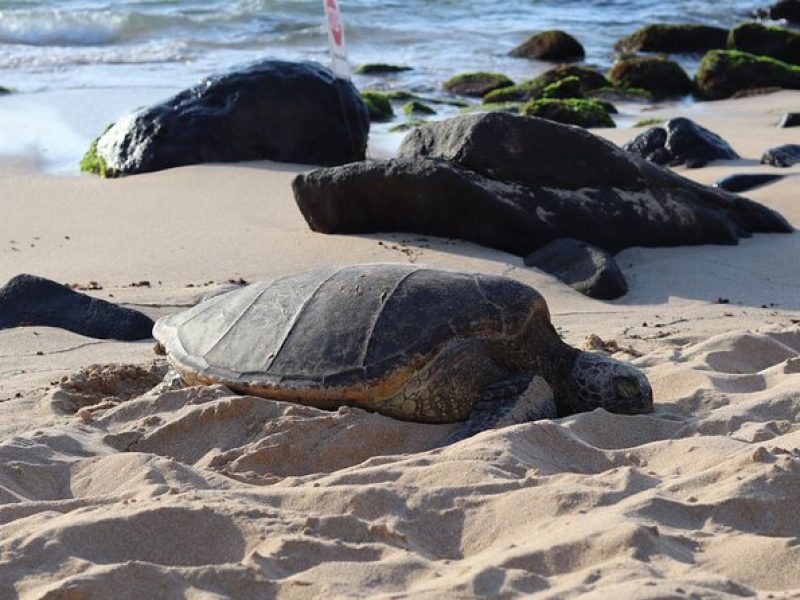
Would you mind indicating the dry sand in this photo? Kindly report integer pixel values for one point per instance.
(111, 489)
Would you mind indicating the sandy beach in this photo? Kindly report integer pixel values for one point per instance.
(112, 489)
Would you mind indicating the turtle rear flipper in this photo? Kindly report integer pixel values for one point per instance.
(507, 403)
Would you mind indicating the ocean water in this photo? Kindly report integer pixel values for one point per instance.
(76, 64)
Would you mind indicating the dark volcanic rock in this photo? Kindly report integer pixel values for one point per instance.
(553, 45)
(517, 183)
(782, 156)
(381, 69)
(276, 110)
(31, 300)
(590, 270)
(741, 182)
(756, 38)
(722, 73)
(784, 9)
(674, 39)
(790, 120)
(680, 141)
(661, 77)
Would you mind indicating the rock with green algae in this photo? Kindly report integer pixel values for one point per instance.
(574, 111)
(620, 94)
(415, 107)
(407, 125)
(569, 87)
(379, 106)
(93, 163)
(554, 45)
(476, 84)
(674, 39)
(533, 88)
(723, 73)
(381, 69)
(776, 42)
(661, 77)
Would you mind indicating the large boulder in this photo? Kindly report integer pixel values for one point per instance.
(680, 141)
(782, 156)
(722, 73)
(661, 77)
(276, 110)
(674, 39)
(590, 270)
(776, 42)
(31, 300)
(553, 45)
(517, 183)
(783, 9)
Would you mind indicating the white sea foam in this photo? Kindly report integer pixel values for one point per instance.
(55, 27)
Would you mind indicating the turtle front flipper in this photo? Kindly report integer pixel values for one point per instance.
(507, 403)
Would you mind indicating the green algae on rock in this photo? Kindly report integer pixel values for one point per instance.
(476, 84)
(723, 73)
(674, 39)
(533, 88)
(379, 106)
(775, 42)
(572, 111)
(661, 77)
(569, 87)
(92, 162)
(555, 45)
(415, 107)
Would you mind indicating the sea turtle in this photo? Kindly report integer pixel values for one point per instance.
(414, 343)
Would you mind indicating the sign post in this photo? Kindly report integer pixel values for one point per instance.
(339, 64)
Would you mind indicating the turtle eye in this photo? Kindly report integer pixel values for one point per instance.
(626, 387)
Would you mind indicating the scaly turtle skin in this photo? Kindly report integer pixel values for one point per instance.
(414, 343)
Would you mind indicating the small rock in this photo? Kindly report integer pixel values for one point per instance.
(661, 77)
(674, 39)
(680, 141)
(31, 300)
(381, 69)
(586, 268)
(759, 39)
(782, 156)
(476, 84)
(791, 119)
(553, 45)
(741, 182)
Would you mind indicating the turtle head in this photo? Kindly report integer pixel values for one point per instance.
(597, 381)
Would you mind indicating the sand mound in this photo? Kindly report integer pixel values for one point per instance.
(197, 492)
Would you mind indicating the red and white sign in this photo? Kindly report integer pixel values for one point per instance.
(339, 64)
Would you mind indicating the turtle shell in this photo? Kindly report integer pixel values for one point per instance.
(342, 333)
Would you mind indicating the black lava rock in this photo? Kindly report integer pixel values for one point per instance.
(554, 45)
(741, 182)
(782, 156)
(32, 300)
(517, 183)
(791, 119)
(674, 39)
(680, 141)
(586, 268)
(272, 110)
